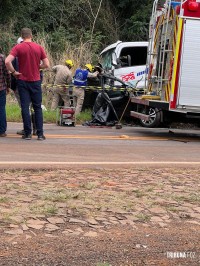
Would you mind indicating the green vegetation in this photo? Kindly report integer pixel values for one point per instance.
(44, 209)
(56, 27)
(85, 115)
(14, 114)
(59, 196)
(89, 185)
(4, 200)
(99, 23)
(103, 264)
(191, 198)
(139, 193)
(143, 217)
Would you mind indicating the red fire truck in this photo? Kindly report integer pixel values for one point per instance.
(172, 90)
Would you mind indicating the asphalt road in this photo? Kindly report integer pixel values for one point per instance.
(67, 146)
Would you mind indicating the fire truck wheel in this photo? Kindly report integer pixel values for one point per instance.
(155, 119)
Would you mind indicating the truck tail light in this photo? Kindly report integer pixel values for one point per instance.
(193, 5)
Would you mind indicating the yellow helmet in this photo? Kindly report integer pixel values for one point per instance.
(69, 63)
(89, 67)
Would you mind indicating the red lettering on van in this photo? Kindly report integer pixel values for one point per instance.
(127, 77)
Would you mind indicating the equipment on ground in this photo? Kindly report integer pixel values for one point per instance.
(119, 125)
(66, 114)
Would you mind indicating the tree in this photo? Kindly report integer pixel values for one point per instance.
(134, 18)
(87, 21)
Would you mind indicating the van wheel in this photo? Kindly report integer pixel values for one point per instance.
(155, 117)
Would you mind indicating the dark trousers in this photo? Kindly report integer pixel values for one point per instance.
(31, 92)
(3, 124)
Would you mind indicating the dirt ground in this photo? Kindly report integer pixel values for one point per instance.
(100, 217)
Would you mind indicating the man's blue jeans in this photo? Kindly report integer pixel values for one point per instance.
(31, 92)
(3, 124)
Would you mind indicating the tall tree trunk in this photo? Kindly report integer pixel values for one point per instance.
(95, 16)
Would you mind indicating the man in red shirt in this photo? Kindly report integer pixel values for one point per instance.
(30, 55)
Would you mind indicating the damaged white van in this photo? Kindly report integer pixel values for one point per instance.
(126, 61)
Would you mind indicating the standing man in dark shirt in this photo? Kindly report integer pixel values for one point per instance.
(4, 88)
(30, 55)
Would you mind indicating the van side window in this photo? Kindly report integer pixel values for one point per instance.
(133, 56)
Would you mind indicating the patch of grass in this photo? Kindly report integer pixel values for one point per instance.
(84, 116)
(89, 185)
(6, 218)
(13, 112)
(44, 209)
(192, 198)
(60, 196)
(143, 217)
(50, 116)
(139, 193)
(172, 209)
(12, 186)
(180, 198)
(51, 209)
(4, 200)
(128, 206)
(103, 264)
(149, 189)
(53, 196)
(160, 185)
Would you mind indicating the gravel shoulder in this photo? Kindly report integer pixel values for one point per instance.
(135, 216)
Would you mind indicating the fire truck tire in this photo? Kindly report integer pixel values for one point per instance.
(155, 119)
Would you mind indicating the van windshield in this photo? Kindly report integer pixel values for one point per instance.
(106, 59)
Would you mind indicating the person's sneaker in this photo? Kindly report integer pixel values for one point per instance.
(27, 136)
(34, 132)
(42, 137)
(20, 132)
(3, 135)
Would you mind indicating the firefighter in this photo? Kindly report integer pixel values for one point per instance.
(63, 77)
(91, 81)
(80, 82)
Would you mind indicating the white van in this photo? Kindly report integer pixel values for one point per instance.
(126, 61)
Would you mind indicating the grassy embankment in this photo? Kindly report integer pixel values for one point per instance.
(13, 113)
